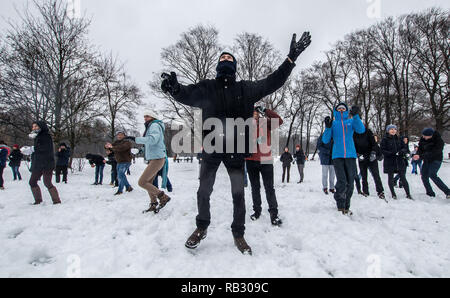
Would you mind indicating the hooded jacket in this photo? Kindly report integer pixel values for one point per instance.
(224, 98)
(342, 134)
(432, 150)
(43, 158)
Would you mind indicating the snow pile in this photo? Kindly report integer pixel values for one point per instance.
(94, 234)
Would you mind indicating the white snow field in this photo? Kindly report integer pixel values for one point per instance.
(94, 234)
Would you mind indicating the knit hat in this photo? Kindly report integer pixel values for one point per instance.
(62, 145)
(392, 126)
(342, 106)
(16, 146)
(120, 132)
(151, 114)
(428, 132)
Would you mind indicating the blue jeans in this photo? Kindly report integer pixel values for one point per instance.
(99, 174)
(416, 164)
(430, 170)
(16, 173)
(122, 169)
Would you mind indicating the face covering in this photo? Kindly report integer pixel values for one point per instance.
(226, 69)
(34, 134)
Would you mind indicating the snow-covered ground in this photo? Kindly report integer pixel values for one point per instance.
(94, 234)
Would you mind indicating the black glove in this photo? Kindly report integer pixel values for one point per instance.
(373, 156)
(260, 110)
(131, 139)
(298, 47)
(328, 122)
(355, 111)
(170, 83)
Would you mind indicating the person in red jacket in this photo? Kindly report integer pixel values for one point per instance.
(261, 164)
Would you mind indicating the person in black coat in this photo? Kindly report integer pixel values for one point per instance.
(369, 153)
(286, 159)
(113, 163)
(300, 159)
(62, 162)
(431, 148)
(404, 139)
(395, 153)
(226, 98)
(15, 160)
(42, 163)
(98, 162)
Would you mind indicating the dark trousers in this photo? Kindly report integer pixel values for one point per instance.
(36, 176)
(430, 171)
(255, 170)
(208, 171)
(286, 169)
(1, 176)
(114, 177)
(61, 170)
(405, 184)
(345, 169)
(16, 173)
(374, 170)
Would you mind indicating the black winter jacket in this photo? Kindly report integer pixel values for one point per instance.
(300, 157)
(43, 157)
(286, 159)
(325, 152)
(224, 98)
(95, 159)
(395, 153)
(432, 150)
(365, 144)
(63, 157)
(15, 159)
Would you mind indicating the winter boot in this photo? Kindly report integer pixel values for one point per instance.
(163, 200)
(348, 212)
(55, 196)
(242, 245)
(325, 190)
(448, 197)
(153, 208)
(382, 196)
(130, 189)
(37, 195)
(118, 193)
(365, 195)
(341, 210)
(333, 191)
(194, 240)
(275, 220)
(255, 216)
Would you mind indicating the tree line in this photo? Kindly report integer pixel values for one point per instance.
(49, 71)
(397, 71)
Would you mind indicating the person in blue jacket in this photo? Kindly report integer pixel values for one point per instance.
(341, 131)
(156, 158)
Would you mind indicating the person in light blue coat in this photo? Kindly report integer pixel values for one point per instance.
(156, 158)
(341, 131)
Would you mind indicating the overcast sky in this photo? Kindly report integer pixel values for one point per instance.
(136, 30)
